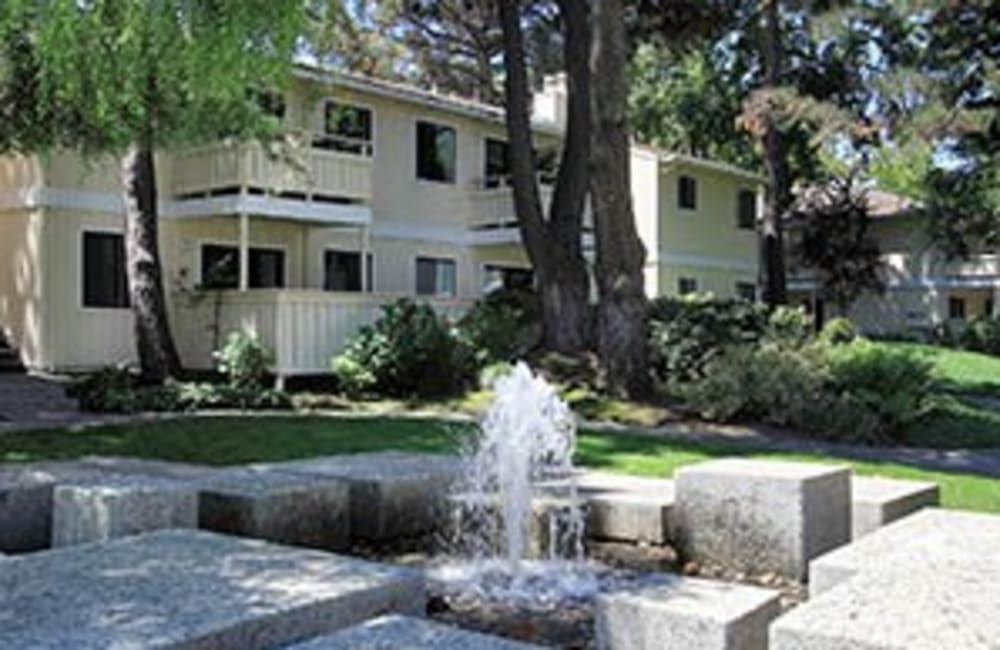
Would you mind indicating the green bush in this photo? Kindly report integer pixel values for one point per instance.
(788, 325)
(353, 378)
(687, 333)
(981, 334)
(890, 384)
(503, 326)
(838, 331)
(408, 351)
(244, 361)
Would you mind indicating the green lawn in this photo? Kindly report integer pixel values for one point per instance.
(958, 370)
(231, 440)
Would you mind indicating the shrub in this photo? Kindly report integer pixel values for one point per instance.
(788, 325)
(838, 331)
(408, 351)
(243, 360)
(352, 378)
(890, 384)
(503, 326)
(688, 333)
(981, 334)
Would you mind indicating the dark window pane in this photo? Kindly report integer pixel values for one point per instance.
(267, 269)
(105, 281)
(435, 277)
(497, 163)
(747, 210)
(746, 290)
(956, 308)
(220, 267)
(687, 193)
(436, 151)
(687, 285)
(342, 271)
(507, 277)
(346, 128)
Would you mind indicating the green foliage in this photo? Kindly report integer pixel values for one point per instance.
(891, 384)
(243, 360)
(790, 325)
(353, 378)
(118, 390)
(838, 331)
(687, 333)
(981, 334)
(409, 350)
(105, 75)
(503, 326)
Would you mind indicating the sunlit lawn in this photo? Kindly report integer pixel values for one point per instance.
(232, 440)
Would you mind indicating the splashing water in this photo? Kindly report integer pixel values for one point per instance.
(519, 520)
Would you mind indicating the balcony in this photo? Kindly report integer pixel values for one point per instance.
(309, 168)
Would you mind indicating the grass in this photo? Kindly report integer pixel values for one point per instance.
(958, 370)
(232, 440)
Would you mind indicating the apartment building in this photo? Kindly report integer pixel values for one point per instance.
(384, 190)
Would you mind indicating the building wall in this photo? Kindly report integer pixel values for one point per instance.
(21, 283)
(704, 243)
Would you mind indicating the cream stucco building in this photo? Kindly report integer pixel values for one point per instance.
(387, 191)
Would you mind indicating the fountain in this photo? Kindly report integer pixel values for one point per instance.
(518, 524)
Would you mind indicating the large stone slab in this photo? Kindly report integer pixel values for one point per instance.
(117, 505)
(687, 613)
(292, 509)
(627, 508)
(762, 516)
(964, 537)
(192, 590)
(393, 494)
(26, 502)
(406, 633)
(946, 601)
(148, 467)
(877, 501)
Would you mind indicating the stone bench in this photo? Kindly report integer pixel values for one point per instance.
(877, 501)
(969, 537)
(148, 467)
(687, 613)
(943, 601)
(395, 632)
(283, 508)
(193, 589)
(761, 516)
(627, 508)
(393, 494)
(105, 507)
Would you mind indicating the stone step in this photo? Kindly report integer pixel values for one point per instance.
(396, 632)
(193, 589)
(877, 501)
(687, 613)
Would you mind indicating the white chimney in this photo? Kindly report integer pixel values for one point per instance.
(550, 102)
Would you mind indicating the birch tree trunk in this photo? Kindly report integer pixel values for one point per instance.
(778, 196)
(158, 358)
(622, 338)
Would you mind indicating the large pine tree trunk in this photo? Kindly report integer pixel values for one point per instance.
(554, 245)
(778, 197)
(620, 254)
(158, 358)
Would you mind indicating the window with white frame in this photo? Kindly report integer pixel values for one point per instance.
(346, 128)
(687, 286)
(746, 291)
(496, 163)
(498, 276)
(105, 281)
(746, 210)
(436, 276)
(687, 193)
(342, 271)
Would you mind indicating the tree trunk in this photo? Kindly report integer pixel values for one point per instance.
(158, 358)
(554, 245)
(622, 341)
(775, 159)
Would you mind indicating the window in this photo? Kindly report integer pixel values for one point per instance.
(746, 217)
(496, 277)
(746, 291)
(436, 151)
(687, 193)
(105, 281)
(686, 286)
(342, 271)
(988, 307)
(435, 277)
(272, 104)
(346, 128)
(956, 308)
(220, 267)
(497, 164)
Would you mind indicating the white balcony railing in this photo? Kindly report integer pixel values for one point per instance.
(343, 172)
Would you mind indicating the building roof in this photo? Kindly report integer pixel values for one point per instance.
(412, 94)
(671, 158)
